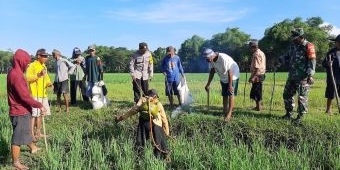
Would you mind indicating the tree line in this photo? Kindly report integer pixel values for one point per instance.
(233, 42)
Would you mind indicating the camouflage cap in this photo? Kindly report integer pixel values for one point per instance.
(297, 32)
(91, 47)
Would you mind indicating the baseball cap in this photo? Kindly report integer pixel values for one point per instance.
(91, 47)
(253, 43)
(153, 92)
(337, 38)
(77, 51)
(55, 51)
(143, 45)
(170, 49)
(207, 53)
(297, 32)
(42, 52)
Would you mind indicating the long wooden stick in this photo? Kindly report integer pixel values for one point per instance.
(208, 99)
(43, 117)
(44, 130)
(272, 95)
(244, 89)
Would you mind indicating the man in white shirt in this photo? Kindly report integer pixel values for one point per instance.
(229, 73)
(63, 68)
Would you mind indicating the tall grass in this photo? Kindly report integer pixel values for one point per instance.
(90, 139)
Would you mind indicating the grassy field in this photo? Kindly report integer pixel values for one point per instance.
(90, 139)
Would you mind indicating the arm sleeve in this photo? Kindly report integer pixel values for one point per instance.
(86, 66)
(311, 56)
(165, 124)
(100, 65)
(24, 94)
(163, 66)
(132, 65)
(71, 66)
(325, 61)
(83, 62)
(257, 60)
(180, 67)
(284, 59)
(31, 76)
(150, 66)
(47, 80)
(311, 67)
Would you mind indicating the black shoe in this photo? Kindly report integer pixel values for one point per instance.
(297, 120)
(287, 116)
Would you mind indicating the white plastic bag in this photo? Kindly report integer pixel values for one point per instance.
(98, 99)
(184, 93)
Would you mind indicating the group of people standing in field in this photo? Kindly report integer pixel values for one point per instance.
(28, 104)
(27, 89)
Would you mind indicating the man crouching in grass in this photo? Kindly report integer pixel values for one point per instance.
(20, 107)
(151, 116)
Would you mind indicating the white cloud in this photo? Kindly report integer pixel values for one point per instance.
(335, 31)
(180, 11)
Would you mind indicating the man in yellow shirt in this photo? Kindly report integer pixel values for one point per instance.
(38, 81)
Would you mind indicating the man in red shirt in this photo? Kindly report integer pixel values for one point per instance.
(20, 107)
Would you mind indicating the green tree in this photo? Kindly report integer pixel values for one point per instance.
(190, 53)
(234, 43)
(157, 58)
(278, 37)
(5, 60)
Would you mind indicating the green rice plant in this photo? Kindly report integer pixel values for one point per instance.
(122, 154)
(90, 139)
(96, 156)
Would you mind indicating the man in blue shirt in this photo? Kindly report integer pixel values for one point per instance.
(171, 67)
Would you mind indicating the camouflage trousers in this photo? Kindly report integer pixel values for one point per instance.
(291, 88)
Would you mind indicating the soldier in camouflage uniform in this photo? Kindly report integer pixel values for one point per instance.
(301, 59)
